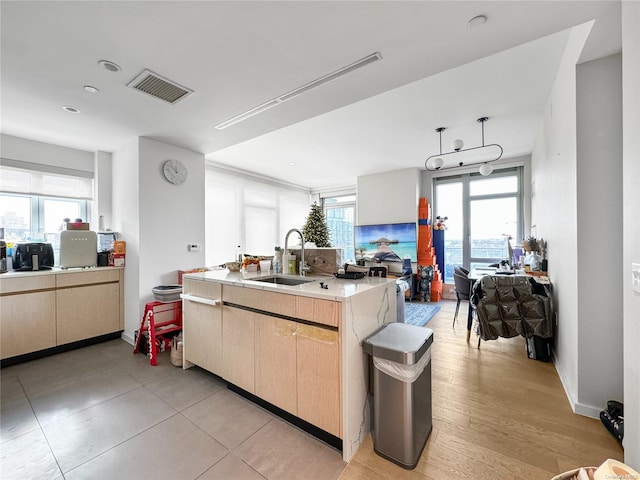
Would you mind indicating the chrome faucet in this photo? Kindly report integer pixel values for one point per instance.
(304, 268)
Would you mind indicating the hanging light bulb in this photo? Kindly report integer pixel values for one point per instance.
(437, 163)
(465, 157)
(486, 169)
(457, 145)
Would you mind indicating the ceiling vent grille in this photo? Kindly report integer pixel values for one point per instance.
(159, 87)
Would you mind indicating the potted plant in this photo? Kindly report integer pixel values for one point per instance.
(536, 251)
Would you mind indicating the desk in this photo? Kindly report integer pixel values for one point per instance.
(477, 273)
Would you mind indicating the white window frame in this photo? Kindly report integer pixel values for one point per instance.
(467, 198)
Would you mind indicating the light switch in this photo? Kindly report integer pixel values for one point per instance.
(193, 247)
(635, 277)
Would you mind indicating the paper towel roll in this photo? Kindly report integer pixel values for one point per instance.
(613, 469)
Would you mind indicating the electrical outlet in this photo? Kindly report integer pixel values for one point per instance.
(193, 247)
(635, 277)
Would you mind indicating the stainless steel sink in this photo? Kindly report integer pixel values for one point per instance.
(282, 280)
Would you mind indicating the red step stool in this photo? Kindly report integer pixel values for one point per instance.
(169, 319)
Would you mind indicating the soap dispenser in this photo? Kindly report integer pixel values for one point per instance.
(289, 263)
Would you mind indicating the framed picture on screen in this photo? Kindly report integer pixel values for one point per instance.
(390, 242)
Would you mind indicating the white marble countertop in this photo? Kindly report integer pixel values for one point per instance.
(338, 289)
(54, 271)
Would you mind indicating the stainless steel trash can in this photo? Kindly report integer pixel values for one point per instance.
(401, 376)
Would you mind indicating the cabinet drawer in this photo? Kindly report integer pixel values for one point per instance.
(315, 310)
(280, 303)
(202, 288)
(28, 283)
(86, 278)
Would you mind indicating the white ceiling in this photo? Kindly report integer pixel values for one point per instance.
(236, 55)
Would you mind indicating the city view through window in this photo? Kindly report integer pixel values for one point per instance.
(483, 216)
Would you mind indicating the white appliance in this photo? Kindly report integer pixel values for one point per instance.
(78, 248)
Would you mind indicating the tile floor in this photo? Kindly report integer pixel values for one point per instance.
(102, 412)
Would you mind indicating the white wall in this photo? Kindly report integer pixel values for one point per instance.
(390, 197)
(103, 188)
(157, 220)
(16, 148)
(554, 208)
(171, 216)
(631, 219)
(126, 216)
(599, 233)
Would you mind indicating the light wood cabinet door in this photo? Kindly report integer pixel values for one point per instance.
(238, 347)
(27, 323)
(275, 362)
(202, 325)
(318, 378)
(86, 312)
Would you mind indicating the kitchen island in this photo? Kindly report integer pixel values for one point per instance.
(296, 347)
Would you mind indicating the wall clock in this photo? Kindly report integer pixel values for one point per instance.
(175, 171)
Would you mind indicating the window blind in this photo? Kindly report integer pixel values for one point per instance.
(249, 212)
(34, 179)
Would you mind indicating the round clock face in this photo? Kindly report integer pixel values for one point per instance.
(175, 171)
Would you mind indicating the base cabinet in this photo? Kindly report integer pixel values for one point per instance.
(27, 323)
(55, 308)
(202, 325)
(276, 362)
(86, 312)
(318, 377)
(238, 347)
(291, 364)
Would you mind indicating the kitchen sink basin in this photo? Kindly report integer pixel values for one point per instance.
(282, 280)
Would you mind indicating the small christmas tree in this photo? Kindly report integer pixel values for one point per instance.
(315, 228)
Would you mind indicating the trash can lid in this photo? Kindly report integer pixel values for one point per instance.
(399, 342)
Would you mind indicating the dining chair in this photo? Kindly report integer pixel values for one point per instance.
(462, 288)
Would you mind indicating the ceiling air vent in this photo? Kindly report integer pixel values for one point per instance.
(159, 87)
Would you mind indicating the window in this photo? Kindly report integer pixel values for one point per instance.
(340, 214)
(244, 214)
(35, 198)
(38, 218)
(484, 213)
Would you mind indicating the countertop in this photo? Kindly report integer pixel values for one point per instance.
(338, 289)
(54, 271)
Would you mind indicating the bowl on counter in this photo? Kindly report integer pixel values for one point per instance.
(233, 266)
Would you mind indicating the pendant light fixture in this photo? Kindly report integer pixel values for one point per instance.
(481, 155)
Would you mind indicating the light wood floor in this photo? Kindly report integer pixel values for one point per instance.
(496, 415)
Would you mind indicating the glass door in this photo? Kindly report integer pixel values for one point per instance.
(484, 213)
(492, 223)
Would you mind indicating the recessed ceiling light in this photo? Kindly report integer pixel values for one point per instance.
(70, 109)
(91, 89)
(477, 21)
(292, 163)
(110, 66)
